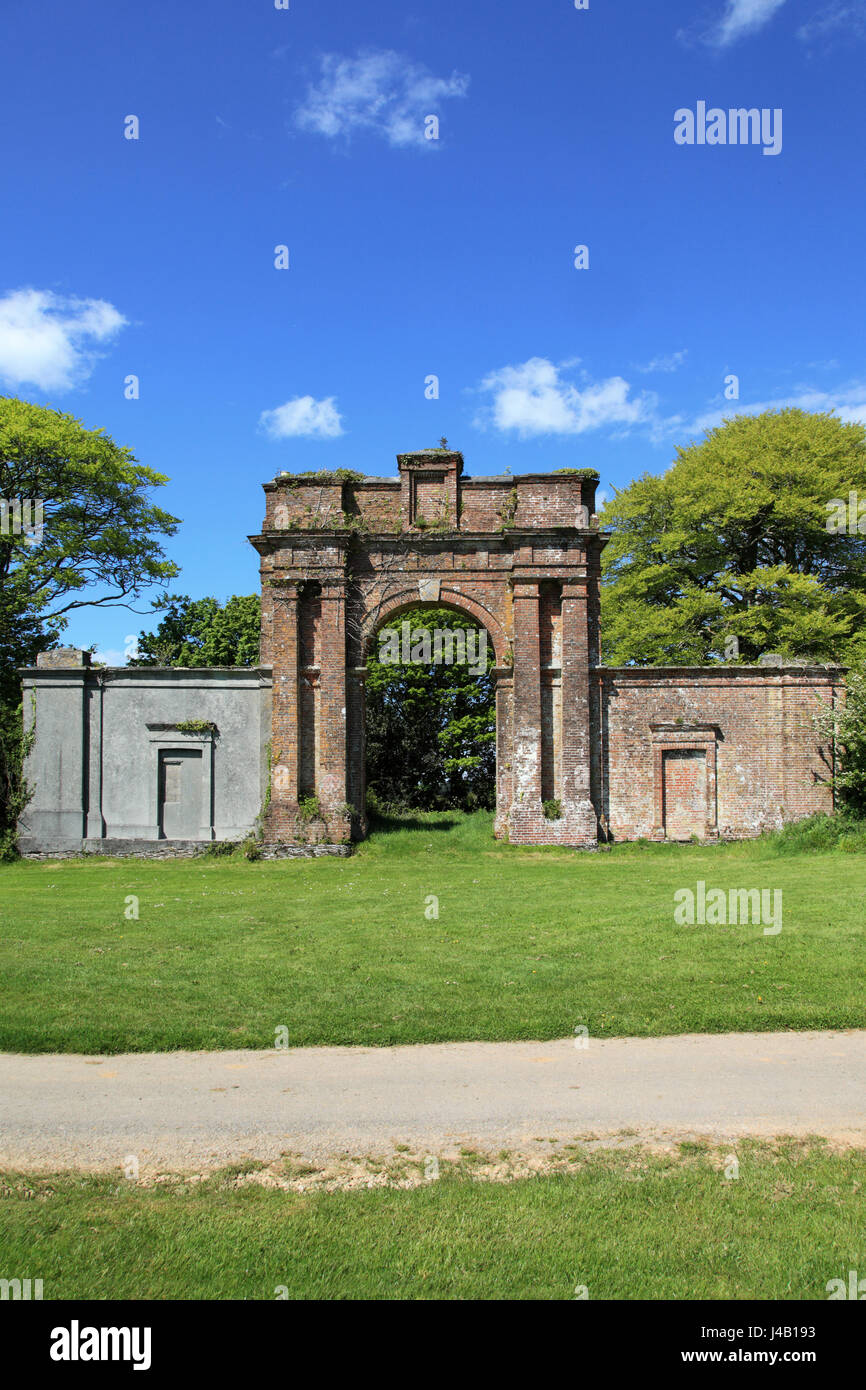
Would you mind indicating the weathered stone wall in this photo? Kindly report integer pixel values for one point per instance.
(94, 766)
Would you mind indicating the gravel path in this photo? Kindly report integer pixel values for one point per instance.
(182, 1110)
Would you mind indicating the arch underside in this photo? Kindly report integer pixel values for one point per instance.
(395, 605)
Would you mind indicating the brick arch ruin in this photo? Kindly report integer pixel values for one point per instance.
(150, 760)
(627, 752)
(340, 555)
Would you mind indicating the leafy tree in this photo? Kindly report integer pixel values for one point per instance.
(203, 632)
(431, 728)
(847, 724)
(100, 542)
(733, 542)
(95, 541)
(15, 744)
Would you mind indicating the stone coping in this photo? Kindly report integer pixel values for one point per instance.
(137, 672)
(652, 672)
(466, 480)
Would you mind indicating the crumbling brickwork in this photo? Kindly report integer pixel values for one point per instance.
(341, 558)
(763, 762)
(625, 753)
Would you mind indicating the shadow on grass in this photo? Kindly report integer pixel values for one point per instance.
(385, 823)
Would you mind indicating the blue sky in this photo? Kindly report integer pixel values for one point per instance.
(412, 257)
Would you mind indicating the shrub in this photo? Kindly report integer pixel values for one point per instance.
(818, 834)
(847, 723)
(15, 794)
(219, 849)
(309, 809)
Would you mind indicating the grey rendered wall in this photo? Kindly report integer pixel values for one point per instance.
(94, 763)
(55, 768)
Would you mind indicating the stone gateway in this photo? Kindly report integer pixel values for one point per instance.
(157, 761)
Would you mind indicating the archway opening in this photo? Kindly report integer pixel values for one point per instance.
(430, 735)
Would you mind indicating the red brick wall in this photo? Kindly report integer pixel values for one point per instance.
(483, 505)
(769, 764)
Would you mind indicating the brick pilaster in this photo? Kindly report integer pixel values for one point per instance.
(267, 624)
(283, 808)
(579, 817)
(526, 712)
(331, 788)
(504, 780)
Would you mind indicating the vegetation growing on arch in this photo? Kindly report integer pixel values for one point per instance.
(322, 475)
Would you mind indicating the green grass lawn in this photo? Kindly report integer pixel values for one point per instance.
(625, 1225)
(527, 944)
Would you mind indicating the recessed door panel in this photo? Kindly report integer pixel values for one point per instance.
(684, 772)
(180, 794)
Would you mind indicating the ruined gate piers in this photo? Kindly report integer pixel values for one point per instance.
(342, 555)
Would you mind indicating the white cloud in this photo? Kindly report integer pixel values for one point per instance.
(380, 91)
(740, 18)
(303, 416)
(110, 657)
(671, 363)
(532, 398)
(848, 402)
(745, 17)
(49, 341)
(847, 20)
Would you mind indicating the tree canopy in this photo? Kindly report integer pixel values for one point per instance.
(733, 542)
(99, 543)
(77, 529)
(203, 632)
(431, 727)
